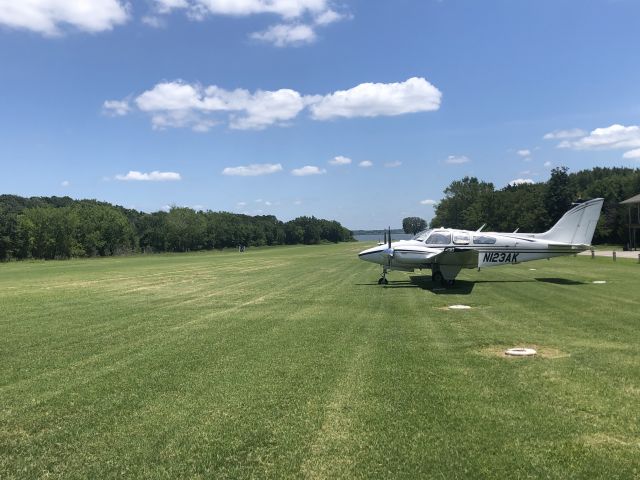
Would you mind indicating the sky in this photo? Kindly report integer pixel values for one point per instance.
(362, 111)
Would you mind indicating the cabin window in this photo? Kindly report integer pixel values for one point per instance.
(461, 238)
(439, 238)
(484, 240)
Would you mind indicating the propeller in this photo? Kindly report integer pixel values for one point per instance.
(388, 251)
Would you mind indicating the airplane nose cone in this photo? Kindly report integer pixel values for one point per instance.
(373, 254)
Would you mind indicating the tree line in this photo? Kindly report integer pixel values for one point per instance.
(61, 227)
(469, 203)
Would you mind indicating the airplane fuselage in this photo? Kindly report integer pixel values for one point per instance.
(472, 249)
(446, 250)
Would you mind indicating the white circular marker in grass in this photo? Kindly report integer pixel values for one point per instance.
(599, 281)
(520, 352)
(533, 269)
(459, 307)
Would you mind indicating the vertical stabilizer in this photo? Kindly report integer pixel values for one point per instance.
(577, 225)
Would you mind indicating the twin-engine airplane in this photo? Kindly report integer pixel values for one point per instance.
(446, 251)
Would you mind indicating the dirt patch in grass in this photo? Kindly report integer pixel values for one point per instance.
(542, 352)
(454, 308)
(604, 440)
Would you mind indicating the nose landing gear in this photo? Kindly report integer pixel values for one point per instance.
(383, 279)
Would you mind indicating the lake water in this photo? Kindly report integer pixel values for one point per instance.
(380, 238)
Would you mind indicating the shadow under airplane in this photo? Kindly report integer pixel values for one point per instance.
(462, 287)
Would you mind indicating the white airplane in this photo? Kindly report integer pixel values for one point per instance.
(446, 251)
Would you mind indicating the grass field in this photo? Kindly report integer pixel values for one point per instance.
(292, 362)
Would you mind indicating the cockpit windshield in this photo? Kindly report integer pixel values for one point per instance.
(423, 235)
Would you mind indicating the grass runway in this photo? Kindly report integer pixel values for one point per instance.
(291, 362)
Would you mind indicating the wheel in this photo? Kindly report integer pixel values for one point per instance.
(450, 283)
(385, 281)
(380, 280)
(436, 277)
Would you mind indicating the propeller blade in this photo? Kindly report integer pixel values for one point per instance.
(389, 237)
(385, 236)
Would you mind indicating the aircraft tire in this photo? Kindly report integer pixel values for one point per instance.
(436, 277)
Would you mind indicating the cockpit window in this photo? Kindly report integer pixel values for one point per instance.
(439, 238)
(423, 235)
(484, 240)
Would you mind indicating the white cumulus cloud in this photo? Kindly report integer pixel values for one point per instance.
(394, 164)
(154, 176)
(165, 6)
(366, 164)
(301, 17)
(377, 99)
(253, 170)
(520, 181)
(340, 160)
(50, 17)
(564, 134)
(65, 183)
(178, 104)
(457, 159)
(262, 109)
(116, 108)
(524, 152)
(635, 154)
(614, 136)
(607, 138)
(548, 164)
(288, 9)
(307, 170)
(328, 17)
(428, 202)
(174, 96)
(284, 35)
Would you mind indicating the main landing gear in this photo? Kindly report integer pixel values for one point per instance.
(383, 279)
(437, 277)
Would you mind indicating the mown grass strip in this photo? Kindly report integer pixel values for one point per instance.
(292, 362)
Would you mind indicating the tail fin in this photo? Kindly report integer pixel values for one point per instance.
(577, 225)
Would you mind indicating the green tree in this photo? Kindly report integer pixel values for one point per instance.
(559, 194)
(413, 225)
(185, 229)
(466, 204)
(60, 227)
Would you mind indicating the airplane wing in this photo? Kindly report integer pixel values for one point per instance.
(416, 254)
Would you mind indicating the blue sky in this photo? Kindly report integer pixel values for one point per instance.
(245, 105)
